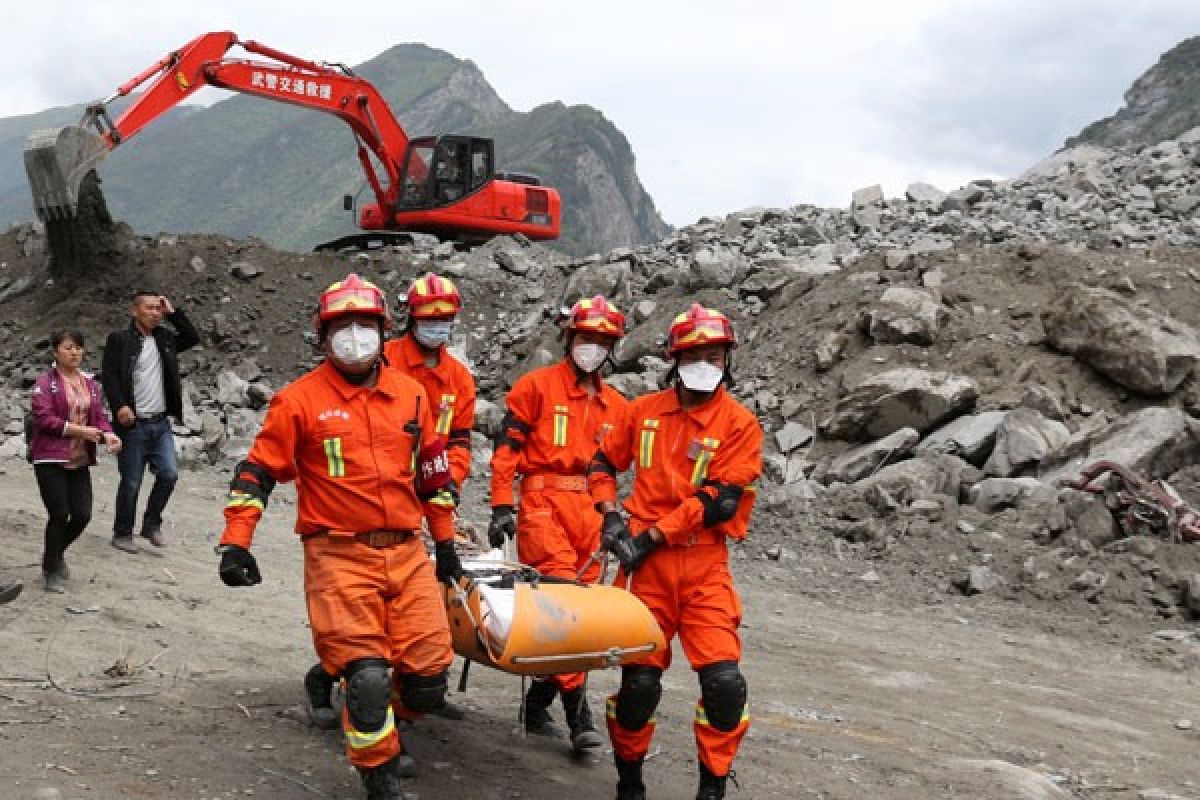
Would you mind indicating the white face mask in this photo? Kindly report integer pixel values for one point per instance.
(700, 376)
(355, 344)
(433, 333)
(589, 357)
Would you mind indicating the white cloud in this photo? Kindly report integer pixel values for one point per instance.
(726, 105)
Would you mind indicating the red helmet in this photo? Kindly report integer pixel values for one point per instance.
(433, 297)
(352, 295)
(596, 315)
(697, 327)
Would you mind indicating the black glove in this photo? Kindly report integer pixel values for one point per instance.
(631, 551)
(238, 567)
(723, 506)
(613, 530)
(449, 569)
(503, 524)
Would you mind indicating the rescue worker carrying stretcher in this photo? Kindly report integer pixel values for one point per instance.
(358, 440)
(696, 451)
(433, 304)
(556, 418)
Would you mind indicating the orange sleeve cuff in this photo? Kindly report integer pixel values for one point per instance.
(687, 519)
(503, 495)
(603, 488)
(238, 530)
(441, 523)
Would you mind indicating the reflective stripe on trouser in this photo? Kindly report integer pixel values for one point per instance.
(718, 748)
(690, 592)
(557, 532)
(371, 748)
(627, 745)
(367, 602)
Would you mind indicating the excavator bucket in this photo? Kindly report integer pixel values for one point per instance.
(56, 161)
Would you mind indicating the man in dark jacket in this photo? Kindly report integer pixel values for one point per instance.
(141, 383)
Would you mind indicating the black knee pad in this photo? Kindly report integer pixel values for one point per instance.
(641, 689)
(368, 693)
(423, 693)
(723, 690)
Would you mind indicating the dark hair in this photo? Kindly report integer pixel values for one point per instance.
(143, 293)
(58, 337)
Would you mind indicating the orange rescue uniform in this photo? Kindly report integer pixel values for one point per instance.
(450, 387)
(350, 450)
(552, 429)
(686, 582)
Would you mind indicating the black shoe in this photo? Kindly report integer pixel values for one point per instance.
(537, 703)
(629, 780)
(712, 787)
(318, 687)
(584, 735)
(63, 571)
(384, 782)
(10, 591)
(450, 710)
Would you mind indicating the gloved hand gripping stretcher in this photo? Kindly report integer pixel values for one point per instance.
(506, 615)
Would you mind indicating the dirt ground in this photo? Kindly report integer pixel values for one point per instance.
(851, 697)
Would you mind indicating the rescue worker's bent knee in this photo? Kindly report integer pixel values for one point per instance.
(723, 690)
(424, 693)
(368, 693)
(641, 689)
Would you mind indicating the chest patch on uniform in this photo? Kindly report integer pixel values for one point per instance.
(646, 443)
(704, 450)
(603, 431)
(445, 414)
(560, 426)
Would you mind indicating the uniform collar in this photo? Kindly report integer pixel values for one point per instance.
(411, 352)
(570, 381)
(386, 383)
(703, 413)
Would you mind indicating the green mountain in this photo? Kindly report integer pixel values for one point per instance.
(247, 166)
(1162, 104)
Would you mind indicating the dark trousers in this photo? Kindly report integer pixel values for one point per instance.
(145, 443)
(67, 495)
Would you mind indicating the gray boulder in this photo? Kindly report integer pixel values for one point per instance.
(996, 494)
(1154, 441)
(970, 438)
(868, 196)
(1089, 516)
(232, 390)
(1134, 346)
(925, 475)
(610, 280)
(860, 462)
(925, 194)
(900, 398)
(830, 350)
(1023, 439)
(791, 436)
(904, 316)
(712, 269)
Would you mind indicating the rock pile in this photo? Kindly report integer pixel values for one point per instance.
(926, 367)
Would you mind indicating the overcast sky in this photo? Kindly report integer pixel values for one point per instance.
(726, 104)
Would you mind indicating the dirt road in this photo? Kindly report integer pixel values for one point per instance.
(851, 698)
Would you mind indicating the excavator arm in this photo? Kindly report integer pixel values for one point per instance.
(444, 185)
(58, 160)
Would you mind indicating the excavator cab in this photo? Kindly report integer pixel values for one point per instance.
(440, 170)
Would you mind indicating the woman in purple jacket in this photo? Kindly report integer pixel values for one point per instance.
(69, 420)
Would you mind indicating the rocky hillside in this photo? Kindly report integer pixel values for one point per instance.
(927, 367)
(1161, 104)
(247, 166)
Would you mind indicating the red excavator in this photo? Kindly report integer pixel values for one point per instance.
(442, 185)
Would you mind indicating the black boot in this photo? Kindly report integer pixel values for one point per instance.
(584, 735)
(318, 687)
(629, 779)
(537, 704)
(382, 782)
(712, 787)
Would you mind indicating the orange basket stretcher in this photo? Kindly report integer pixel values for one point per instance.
(508, 616)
